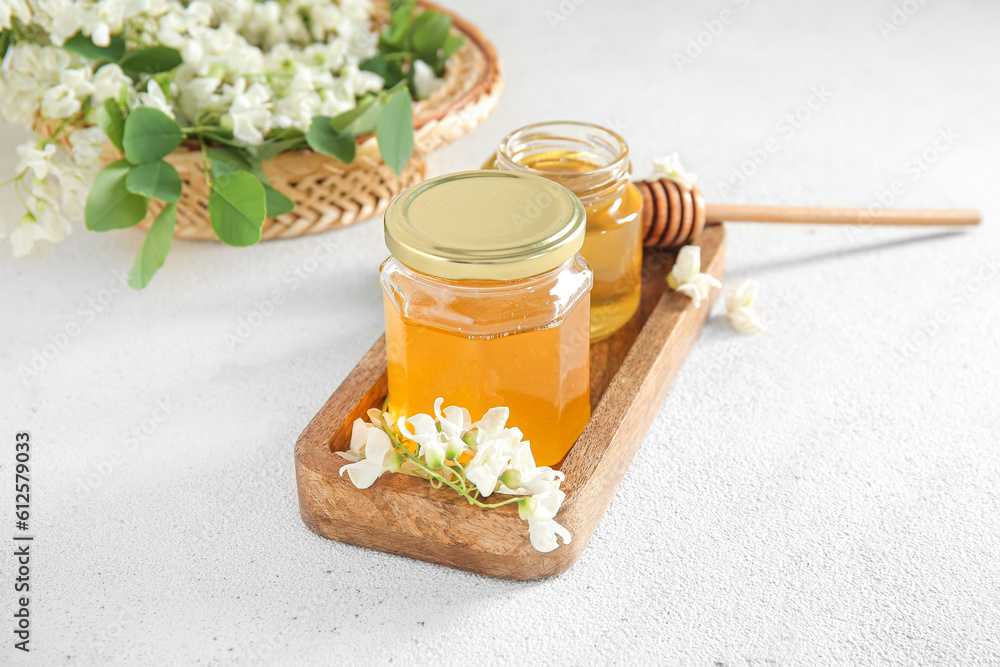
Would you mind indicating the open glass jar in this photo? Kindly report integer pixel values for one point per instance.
(487, 303)
(593, 162)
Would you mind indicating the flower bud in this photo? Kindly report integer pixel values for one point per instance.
(511, 478)
(454, 450)
(434, 457)
(393, 460)
(526, 507)
(471, 440)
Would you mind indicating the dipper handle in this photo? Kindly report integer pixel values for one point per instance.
(840, 216)
(673, 215)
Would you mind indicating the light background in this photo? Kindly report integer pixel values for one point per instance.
(824, 493)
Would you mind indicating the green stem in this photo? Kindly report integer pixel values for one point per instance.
(17, 191)
(462, 490)
(436, 476)
(500, 504)
(206, 167)
(15, 178)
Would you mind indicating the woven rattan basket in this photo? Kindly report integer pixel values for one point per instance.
(329, 194)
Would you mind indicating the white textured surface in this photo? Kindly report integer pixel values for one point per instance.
(820, 494)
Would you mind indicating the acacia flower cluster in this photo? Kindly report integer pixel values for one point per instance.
(243, 72)
(249, 67)
(475, 460)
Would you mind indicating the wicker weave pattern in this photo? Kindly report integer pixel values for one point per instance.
(329, 194)
(326, 194)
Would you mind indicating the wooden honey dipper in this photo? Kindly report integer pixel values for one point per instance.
(673, 215)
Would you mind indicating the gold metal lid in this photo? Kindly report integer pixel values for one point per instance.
(485, 225)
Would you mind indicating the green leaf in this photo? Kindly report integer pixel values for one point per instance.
(269, 149)
(395, 34)
(150, 135)
(360, 120)
(395, 130)
(389, 70)
(163, 80)
(451, 45)
(322, 138)
(157, 180)
(277, 203)
(226, 159)
(4, 42)
(223, 137)
(368, 121)
(154, 248)
(429, 32)
(83, 45)
(151, 60)
(111, 119)
(237, 207)
(109, 203)
(288, 133)
(341, 122)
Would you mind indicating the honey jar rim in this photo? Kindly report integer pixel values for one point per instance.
(602, 179)
(485, 225)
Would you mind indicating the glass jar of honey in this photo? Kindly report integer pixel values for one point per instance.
(487, 303)
(593, 162)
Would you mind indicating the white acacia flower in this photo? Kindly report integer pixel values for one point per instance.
(542, 527)
(424, 80)
(359, 436)
(455, 422)
(425, 433)
(38, 160)
(542, 480)
(492, 424)
(742, 309)
(78, 80)
(87, 144)
(670, 166)
(485, 468)
(74, 184)
(686, 276)
(531, 479)
(108, 82)
(13, 9)
(101, 36)
(66, 21)
(24, 236)
(59, 102)
(251, 114)
(364, 472)
(155, 99)
(46, 224)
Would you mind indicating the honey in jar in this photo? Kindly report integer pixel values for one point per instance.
(593, 162)
(487, 303)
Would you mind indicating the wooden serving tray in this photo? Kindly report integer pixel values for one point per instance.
(400, 514)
